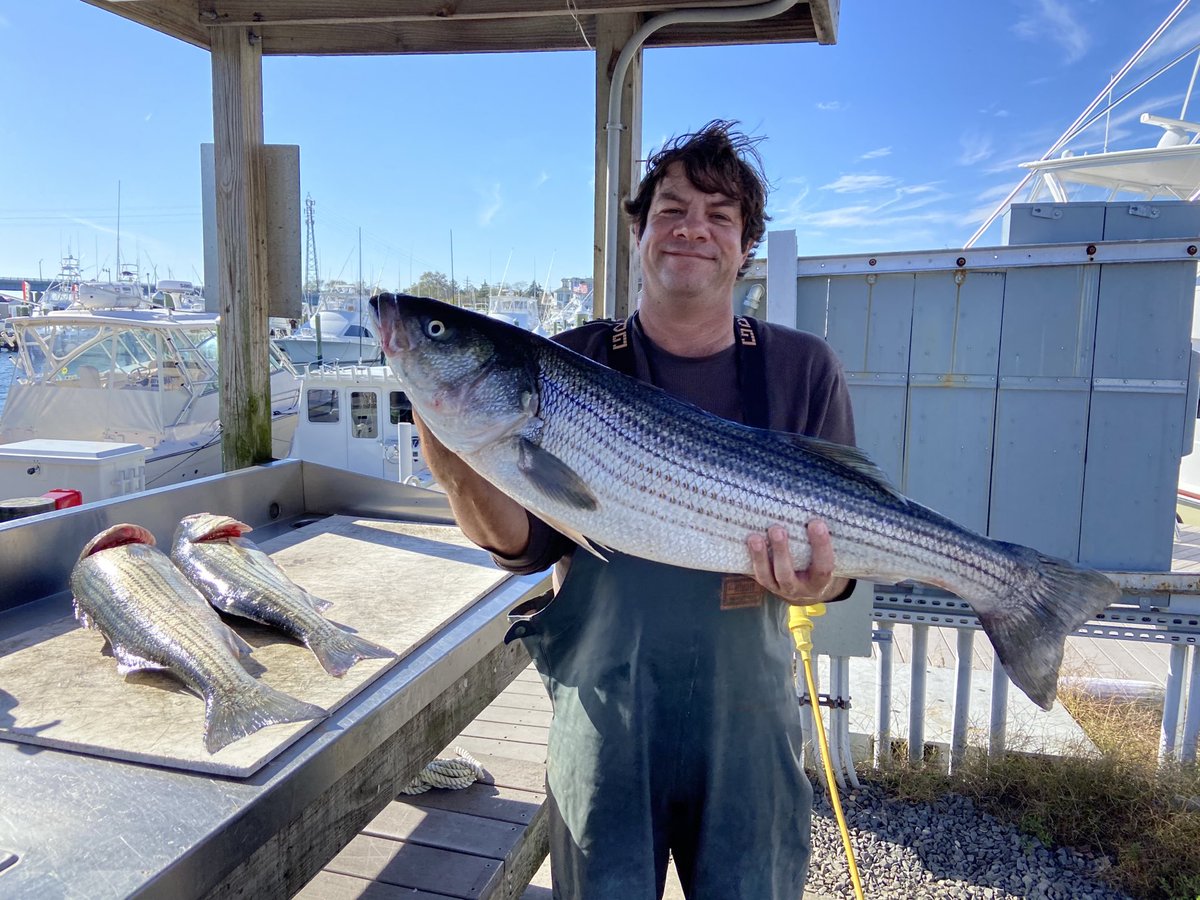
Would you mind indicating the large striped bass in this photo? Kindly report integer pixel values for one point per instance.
(614, 462)
(236, 577)
(153, 619)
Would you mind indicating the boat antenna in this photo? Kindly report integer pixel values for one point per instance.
(1187, 98)
(1073, 129)
(118, 227)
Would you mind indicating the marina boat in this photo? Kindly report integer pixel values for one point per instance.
(340, 330)
(515, 310)
(145, 377)
(358, 418)
(109, 295)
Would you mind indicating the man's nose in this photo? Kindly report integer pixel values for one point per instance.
(692, 225)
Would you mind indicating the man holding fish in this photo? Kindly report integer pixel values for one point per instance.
(676, 729)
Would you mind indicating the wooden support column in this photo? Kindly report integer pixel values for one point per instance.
(242, 242)
(613, 31)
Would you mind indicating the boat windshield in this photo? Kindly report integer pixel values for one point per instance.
(101, 356)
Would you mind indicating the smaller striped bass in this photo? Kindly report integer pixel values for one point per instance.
(152, 618)
(236, 577)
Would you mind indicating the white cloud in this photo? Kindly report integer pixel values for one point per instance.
(876, 154)
(857, 184)
(975, 148)
(1055, 19)
(542, 178)
(830, 106)
(492, 203)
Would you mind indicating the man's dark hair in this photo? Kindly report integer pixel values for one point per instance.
(716, 159)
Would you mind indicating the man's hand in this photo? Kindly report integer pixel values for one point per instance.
(486, 516)
(773, 567)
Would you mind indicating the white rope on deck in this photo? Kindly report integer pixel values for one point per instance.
(452, 774)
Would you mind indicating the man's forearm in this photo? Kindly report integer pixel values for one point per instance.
(486, 516)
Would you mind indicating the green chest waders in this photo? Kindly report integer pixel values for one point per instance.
(676, 728)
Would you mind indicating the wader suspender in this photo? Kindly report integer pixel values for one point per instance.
(751, 368)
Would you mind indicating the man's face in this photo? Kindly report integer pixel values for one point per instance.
(692, 242)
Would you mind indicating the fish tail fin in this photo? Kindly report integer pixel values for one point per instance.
(237, 714)
(1047, 601)
(338, 650)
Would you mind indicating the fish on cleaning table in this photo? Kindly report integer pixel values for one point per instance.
(237, 578)
(613, 462)
(152, 618)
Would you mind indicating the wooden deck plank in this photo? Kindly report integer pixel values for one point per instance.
(332, 886)
(417, 867)
(515, 715)
(501, 803)
(480, 747)
(445, 829)
(510, 731)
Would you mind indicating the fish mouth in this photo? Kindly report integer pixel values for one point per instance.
(395, 330)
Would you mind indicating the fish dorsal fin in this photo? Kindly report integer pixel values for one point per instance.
(851, 457)
(553, 477)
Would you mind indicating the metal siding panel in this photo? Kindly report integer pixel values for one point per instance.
(1053, 223)
(879, 410)
(1144, 322)
(1049, 321)
(1037, 473)
(870, 321)
(948, 450)
(1145, 220)
(1046, 345)
(1129, 489)
(812, 299)
(952, 384)
(956, 322)
(1139, 408)
(869, 325)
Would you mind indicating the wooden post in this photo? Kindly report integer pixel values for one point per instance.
(612, 33)
(245, 406)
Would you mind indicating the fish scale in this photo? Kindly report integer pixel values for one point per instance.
(614, 462)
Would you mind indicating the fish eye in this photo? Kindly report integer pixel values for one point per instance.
(435, 328)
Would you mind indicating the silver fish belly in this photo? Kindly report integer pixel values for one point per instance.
(153, 619)
(236, 577)
(613, 462)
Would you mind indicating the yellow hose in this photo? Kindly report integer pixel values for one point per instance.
(800, 623)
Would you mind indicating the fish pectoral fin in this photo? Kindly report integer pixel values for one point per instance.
(582, 540)
(128, 661)
(235, 642)
(553, 477)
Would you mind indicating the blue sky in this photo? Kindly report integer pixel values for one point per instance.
(900, 137)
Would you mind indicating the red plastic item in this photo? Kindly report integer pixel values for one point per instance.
(64, 497)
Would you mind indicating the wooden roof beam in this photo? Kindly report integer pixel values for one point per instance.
(321, 12)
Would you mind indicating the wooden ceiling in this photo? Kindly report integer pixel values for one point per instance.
(370, 27)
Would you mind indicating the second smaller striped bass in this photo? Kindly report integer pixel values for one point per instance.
(236, 577)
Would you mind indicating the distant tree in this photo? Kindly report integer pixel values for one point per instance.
(433, 284)
(534, 290)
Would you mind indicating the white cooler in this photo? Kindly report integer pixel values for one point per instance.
(99, 470)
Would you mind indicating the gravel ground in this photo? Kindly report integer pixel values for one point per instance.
(943, 849)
